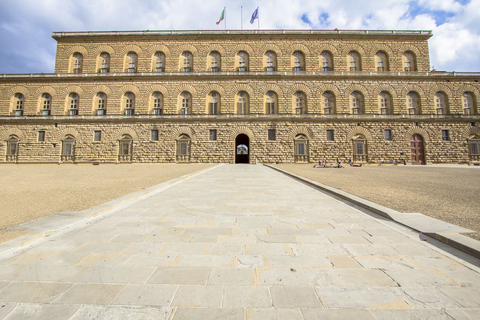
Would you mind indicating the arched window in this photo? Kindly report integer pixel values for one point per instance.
(270, 61)
(18, 104)
(129, 103)
(242, 100)
(354, 61)
(474, 147)
(299, 102)
(413, 103)
(186, 62)
(104, 62)
(409, 61)
(385, 103)
(131, 61)
(77, 62)
(185, 103)
(328, 101)
(360, 149)
(381, 60)
(241, 60)
(12, 149)
(183, 148)
(46, 104)
(68, 149)
(469, 105)
(158, 63)
(271, 103)
(125, 148)
(356, 103)
(301, 148)
(213, 103)
(101, 104)
(73, 103)
(326, 61)
(214, 60)
(298, 61)
(441, 103)
(156, 103)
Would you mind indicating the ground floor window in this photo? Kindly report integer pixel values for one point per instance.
(301, 148)
(12, 148)
(183, 148)
(474, 146)
(68, 149)
(360, 149)
(125, 148)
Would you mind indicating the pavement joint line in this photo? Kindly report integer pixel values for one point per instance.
(454, 240)
(99, 212)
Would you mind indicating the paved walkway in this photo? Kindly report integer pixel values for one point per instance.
(237, 242)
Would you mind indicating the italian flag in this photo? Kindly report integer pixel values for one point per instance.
(222, 16)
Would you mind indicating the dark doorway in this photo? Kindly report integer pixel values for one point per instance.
(416, 145)
(242, 149)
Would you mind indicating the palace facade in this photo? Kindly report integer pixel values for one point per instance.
(241, 96)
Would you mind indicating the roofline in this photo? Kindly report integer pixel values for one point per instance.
(334, 32)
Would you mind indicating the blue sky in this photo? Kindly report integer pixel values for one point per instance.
(26, 26)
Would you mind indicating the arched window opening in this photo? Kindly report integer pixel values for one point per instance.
(213, 103)
(298, 60)
(381, 60)
(101, 104)
(12, 149)
(360, 149)
(409, 61)
(468, 102)
(18, 104)
(131, 62)
(271, 103)
(125, 150)
(328, 100)
(183, 148)
(157, 103)
(159, 62)
(242, 103)
(186, 62)
(215, 61)
(77, 62)
(413, 103)
(270, 61)
(242, 61)
(301, 149)
(46, 104)
(356, 100)
(441, 103)
(129, 103)
(104, 63)
(474, 147)
(68, 149)
(354, 61)
(385, 103)
(185, 101)
(300, 103)
(73, 103)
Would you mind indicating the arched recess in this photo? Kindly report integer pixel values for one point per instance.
(182, 130)
(416, 130)
(62, 133)
(125, 130)
(359, 88)
(241, 130)
(5, 134)
(359, 130)
(300, 130)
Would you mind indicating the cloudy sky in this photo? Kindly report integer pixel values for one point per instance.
(26, 26)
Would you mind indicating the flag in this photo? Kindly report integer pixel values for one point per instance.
(254, 16)
(221, 16)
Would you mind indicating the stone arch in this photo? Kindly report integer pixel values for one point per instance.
(413, 87)
(354, 47)
(125, 130)
(327, 47)
(298, 47)
(157, 87)
(241, 87)
(299, 87)
(359, 130)
(242, 47)
(18, 89)
(159, 47)
(409, 47)
(45, 89)
(77, 89)
(187, 47)
(416, 130)
(241, 130)
(184, 87)
(442, 88)
(468, 132)
(182, 130)
(271, 87)
(77, 48)
(384, 87)
(328, 87)
(213, 87)
(62, 133)
(467, 88)
(357, 87)
(372, 50)
(269, 47)
(213, 47)
(100, 88)
(5, 134)
(128, 88)
(104, 48)
(131, 48)
(301, 130)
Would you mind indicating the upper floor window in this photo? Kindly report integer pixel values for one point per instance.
(186, 62)
(77, 62)
(328, 101)
(300, 102)
(101, 104)
(159, 62)
(213, 101)
(409, 61)
(185, 101)
(131, 62)
(468, 103)
(413, 103)
(46, 104)
(214, 61)
(326, 61)
(354, 61)
(298, 61)
(73, 104)
(241, 61)
(270, 61)
(356, 102)
(271, 103)
(242, 100)
(381, 60)
(18, 103)
(129, 103)
(385, 103)
(157, 103)
(104, 63)
(441, 103)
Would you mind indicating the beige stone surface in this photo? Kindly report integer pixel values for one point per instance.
(446, 193)
(30, 192)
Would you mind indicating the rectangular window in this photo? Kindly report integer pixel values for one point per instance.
(41, 135)
(475, 148)
(272, 133)
(445, 135)
(387, 134)
(97, 135)
(154, 135)
(330, 136)
(213, 135)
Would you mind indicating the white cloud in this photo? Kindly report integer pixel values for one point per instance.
(26, 25)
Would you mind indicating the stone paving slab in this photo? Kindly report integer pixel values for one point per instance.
(236, 242)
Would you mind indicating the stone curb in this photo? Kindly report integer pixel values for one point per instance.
(40, 230)
(434, 228)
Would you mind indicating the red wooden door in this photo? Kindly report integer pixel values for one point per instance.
(417, 150)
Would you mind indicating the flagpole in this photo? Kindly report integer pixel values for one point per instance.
(225, 8)
(241, 17)
(258, 22)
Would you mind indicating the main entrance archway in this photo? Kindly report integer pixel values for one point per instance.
(417, 149)
(242, 149)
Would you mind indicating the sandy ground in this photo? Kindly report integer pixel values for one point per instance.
(447, 193)
(30, 192)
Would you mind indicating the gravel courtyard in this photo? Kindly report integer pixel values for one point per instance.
(30, 192)
(450, 194)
